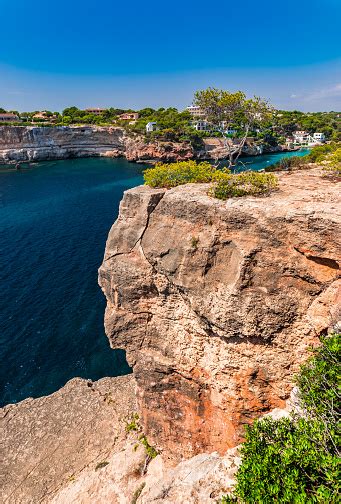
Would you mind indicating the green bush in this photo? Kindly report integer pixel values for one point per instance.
(173, 174)
(318, 383)
(333, 165)
(317, 154)
(297, 460)
(288, 163)
(243, 184)
(226, 185)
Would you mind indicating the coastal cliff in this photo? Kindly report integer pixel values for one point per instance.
(216, 303)
(30, 143)
(34, 143)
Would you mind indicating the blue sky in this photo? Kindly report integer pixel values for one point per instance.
(153, 53)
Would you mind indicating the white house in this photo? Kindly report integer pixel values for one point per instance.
(201, 125)
(304, 138)
(300, 137)
(151, 126)
(319, 137)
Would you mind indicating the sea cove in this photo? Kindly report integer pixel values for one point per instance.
(54, 218)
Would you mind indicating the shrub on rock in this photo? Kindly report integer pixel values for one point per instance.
(297, 460)
(225, 184)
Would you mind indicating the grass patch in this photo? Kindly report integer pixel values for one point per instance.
(150, 450)
(133, 423)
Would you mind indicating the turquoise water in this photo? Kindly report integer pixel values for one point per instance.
(260, 162)
(54, 221)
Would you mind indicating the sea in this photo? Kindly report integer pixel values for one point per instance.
(54, 221)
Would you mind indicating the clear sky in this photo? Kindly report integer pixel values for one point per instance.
(104, 53)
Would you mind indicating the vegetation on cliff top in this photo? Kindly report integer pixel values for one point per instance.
(225, 184)
(328, 155)
(297, 460)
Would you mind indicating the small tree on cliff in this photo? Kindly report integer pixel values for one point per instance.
(226, 111)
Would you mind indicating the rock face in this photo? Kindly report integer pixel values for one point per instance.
(216, 302)
(72, 447)
(49, 442)
(215, 148)
(30, 143)
(34, 143)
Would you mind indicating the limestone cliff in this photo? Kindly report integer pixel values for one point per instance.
(31, 143)
(72, 447)
(216, 302)
(34, 143)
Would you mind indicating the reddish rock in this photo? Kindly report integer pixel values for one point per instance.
(217, 302)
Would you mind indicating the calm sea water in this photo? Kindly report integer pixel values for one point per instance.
(260, 162)
(54, 221)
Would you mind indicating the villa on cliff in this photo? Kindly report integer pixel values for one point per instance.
(304, 138)
(129, 116)
(96, 111)
(8, 117)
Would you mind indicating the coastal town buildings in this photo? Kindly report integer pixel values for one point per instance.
(40, 115)
(129, 116)
(9, 117)
(201, 125)
(320, 137)
(44, 116)
(304, 138)
(195, 111)
(96, 111)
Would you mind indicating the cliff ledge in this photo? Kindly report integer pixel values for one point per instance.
(217, 302)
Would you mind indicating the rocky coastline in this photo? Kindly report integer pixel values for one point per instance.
(216, 304)
(20, 144)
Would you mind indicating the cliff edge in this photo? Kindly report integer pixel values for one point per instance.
(34, 143)
(217, 302)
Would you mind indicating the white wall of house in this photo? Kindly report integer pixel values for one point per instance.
(151, 126)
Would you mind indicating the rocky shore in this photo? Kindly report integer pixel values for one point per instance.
(33, 143)
(216, 304)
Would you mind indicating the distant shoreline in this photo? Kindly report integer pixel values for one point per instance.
(22, 144)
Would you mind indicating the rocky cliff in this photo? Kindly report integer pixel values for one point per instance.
(217, 302)
(21, 143)
(72, 447)
(34, 143)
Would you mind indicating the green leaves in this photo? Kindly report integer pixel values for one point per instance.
(297, 460)
(221, 106)
(243, 184)
(225, 184)
(173, 174)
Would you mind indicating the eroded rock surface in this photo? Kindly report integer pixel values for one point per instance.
(48, 443)
(216, 302)
(34, 143)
